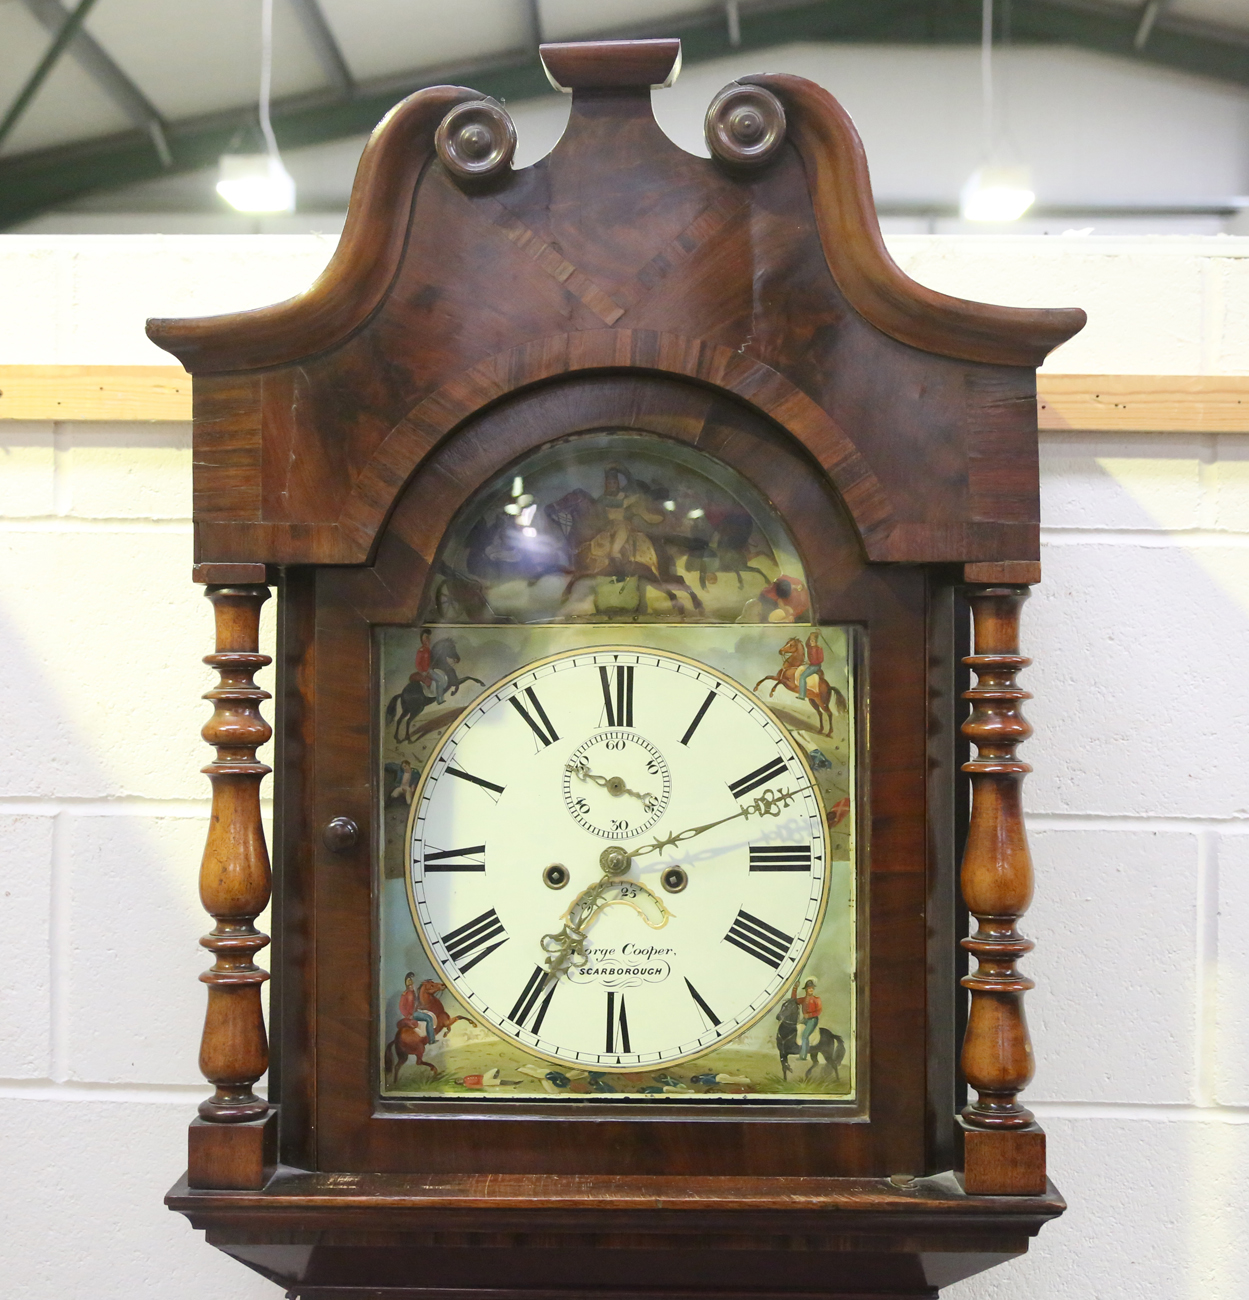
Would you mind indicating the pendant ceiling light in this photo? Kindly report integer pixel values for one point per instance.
(258, 182)
(995, 191)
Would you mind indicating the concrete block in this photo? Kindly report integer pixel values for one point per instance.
(1228, 310)
(1228, 484)
(1156, 1210)
(1137, 652)
(1113, 1015)
(133, 957)
(122, 471)
(81, 1204)
(35, 286)
(133, 961)
(25, 974)
(1231, 1039)
(1137, 481)
(84, 299)
(105, 635)
(27, 469)
(1145, 296)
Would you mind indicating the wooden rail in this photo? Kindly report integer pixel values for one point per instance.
(121, 393)
(1144, 403)
(1088, 403)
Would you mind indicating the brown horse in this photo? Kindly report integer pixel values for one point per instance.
(410, 1040)
(819, 692)
(600, 550)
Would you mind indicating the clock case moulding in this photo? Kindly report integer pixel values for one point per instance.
(743, 304)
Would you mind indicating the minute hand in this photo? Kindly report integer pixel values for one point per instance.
(766, 805)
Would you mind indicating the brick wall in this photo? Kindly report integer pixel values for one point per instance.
(1138, 806)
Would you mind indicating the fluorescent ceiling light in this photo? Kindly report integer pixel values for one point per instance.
(997, 194)
(256, 182)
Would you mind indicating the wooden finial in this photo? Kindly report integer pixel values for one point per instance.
(611, 65)
(997, 888)
(476, 141)
(745, 126)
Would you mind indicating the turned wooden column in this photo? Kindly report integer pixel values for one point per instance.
(234, 887)
(1004, 1148)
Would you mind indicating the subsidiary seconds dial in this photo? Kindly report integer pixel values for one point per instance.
(629, 801)
(617, 858)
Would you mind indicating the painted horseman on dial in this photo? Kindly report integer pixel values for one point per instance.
(802, 673)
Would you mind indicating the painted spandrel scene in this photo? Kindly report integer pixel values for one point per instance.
(618, 527)
(803, 1046)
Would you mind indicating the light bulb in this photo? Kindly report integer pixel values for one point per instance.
(255, 182)
(997, 194)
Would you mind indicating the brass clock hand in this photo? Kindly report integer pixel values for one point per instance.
(614, 785)
(766, 805)
(565, 949)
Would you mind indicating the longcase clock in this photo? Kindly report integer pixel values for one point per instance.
(627, 515)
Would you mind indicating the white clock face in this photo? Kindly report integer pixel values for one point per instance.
(617, 858)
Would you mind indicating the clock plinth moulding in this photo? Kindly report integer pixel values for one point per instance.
(743, 307)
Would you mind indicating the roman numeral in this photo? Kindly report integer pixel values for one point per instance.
(760, 776)
(442, 860)
(698, 717)
(617, 1026)
(780, 857)
(544, 732)
(617, 706)
(702, 1005)
(528, 1000)
(476, 780)
(472, 940)
(759, 939)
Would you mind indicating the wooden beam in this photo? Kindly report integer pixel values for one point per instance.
(1084, 403)
(121, 393)
(1143, 403)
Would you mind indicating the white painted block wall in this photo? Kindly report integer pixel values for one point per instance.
(1138, 806)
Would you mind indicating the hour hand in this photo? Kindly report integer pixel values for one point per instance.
(565, 949)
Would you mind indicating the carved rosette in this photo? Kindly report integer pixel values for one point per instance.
(234, 876)
(997, 867)
(476, 140)
(745, 125)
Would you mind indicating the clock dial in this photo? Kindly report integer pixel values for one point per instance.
(617, 858)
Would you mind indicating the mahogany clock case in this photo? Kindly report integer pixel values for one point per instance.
(743, 305)
(324, 1071)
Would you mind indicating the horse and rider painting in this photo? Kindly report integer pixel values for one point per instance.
(825, 1049)
(619, 527)
(435, 679)
(802, 674)
(422, 1018)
